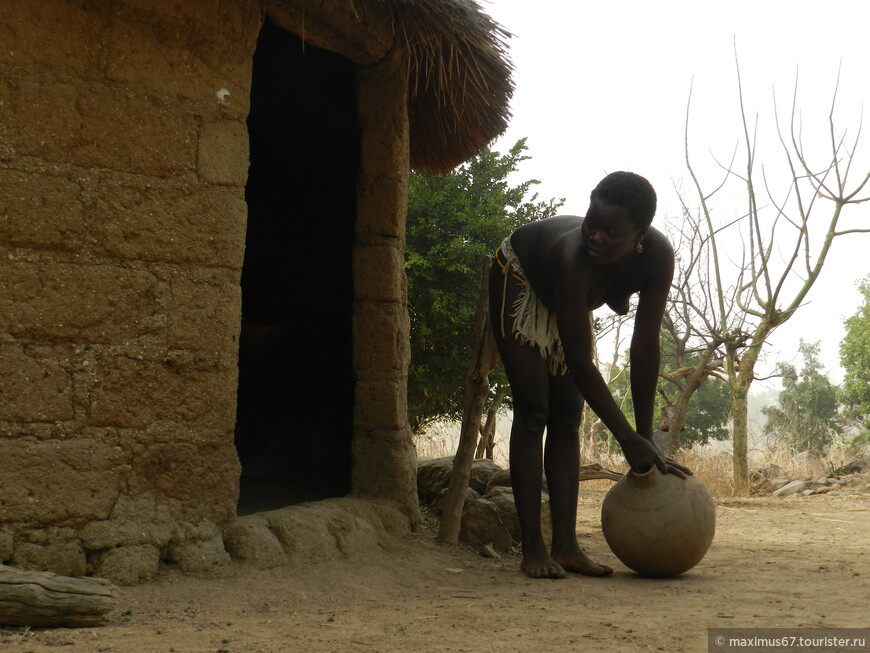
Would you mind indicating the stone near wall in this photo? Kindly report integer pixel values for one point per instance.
(66, 559)
(778, 482)
(199, 556)
(127, 565)
(489, 514)
(383, 515)
(433, 476)
(503, 499)
(352, 534)
(482, 524)
(792, 487)
(304, 538)
(343, 533)
(437, 505)
(250, 539)
(500, 478)
(312, 532)
(478, 525)
(855, 466)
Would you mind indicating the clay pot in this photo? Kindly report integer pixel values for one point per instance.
(659, 525)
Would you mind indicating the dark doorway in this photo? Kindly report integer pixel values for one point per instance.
(295, 401)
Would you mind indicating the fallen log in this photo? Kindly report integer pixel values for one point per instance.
(594, 471)
(44, 599)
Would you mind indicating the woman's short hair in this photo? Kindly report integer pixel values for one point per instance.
(631, 191)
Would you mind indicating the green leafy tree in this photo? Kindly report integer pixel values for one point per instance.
(806, 415)
(855, 359)
(454, 221)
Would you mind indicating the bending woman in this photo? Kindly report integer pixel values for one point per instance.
(554, 273)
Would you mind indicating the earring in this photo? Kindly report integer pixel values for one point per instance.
(639, 247)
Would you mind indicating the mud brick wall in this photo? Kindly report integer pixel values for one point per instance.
(123, 159)
(383, 447)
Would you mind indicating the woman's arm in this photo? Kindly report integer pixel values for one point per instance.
(645, 352)
(645, 356)
(575, 329)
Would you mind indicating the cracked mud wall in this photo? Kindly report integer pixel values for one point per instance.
(123, 162)
(123, 158)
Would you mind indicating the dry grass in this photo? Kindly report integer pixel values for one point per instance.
(714, 468)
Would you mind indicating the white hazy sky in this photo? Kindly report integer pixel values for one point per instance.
(603, 86)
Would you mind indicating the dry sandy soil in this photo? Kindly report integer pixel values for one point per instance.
(789, 562)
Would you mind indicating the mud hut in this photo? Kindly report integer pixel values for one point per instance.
(203, 312)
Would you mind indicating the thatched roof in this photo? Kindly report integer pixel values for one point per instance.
(460, 77)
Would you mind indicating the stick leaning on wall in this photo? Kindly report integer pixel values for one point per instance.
(483, 360)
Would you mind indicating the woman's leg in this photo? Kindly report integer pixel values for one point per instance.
(527, 374)
(562, 464)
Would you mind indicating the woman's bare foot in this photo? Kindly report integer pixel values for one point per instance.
(542, 568)
(537, 563)
(576, 560)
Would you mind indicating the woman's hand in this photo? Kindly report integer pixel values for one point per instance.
(676, 468)
(641, 454)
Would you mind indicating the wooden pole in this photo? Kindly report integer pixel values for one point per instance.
(487, 434)
(40, 599)
(482, 361)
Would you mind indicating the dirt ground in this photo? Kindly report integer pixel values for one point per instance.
(775, 562)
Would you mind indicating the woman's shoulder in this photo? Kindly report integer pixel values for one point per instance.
(541, 234)
(555, 223)
(657, 236)
(656, 260)
(657, 244)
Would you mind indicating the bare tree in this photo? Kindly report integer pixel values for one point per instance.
(690, 327)
(784, 244)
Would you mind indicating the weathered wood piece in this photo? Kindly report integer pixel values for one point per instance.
(40, 599)
(483, 359)
(595, 471)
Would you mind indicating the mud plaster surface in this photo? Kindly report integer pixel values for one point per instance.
(793, 562)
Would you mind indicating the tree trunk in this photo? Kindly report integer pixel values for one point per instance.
(739, 417)
(744, 371)
(483, 358)
(41, 599)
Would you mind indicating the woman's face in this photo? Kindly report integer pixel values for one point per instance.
(608, 233)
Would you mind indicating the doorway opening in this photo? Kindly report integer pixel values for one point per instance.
(295, 401)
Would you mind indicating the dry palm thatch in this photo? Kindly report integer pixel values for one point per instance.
(459, 74)
(460, 79)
